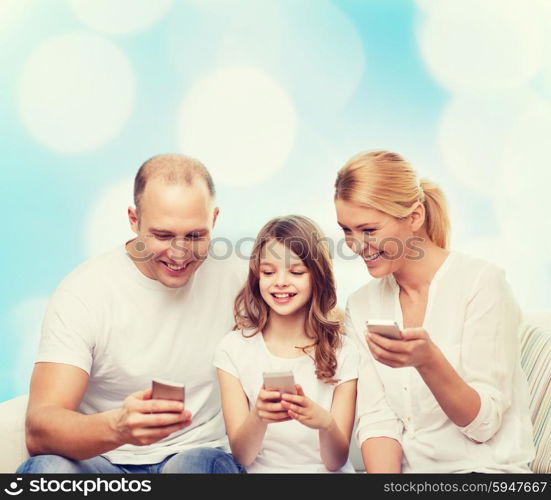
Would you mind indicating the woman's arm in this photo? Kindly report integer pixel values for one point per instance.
(382, 455)
(459, 401)
(475, 400)
(246, 427)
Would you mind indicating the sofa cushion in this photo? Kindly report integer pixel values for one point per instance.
(536, 363)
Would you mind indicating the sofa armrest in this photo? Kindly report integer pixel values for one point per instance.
(12, 434)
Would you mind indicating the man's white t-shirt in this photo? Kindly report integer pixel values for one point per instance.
(124, 329)
(287, 446)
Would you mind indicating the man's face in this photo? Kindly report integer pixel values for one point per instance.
(174, 231)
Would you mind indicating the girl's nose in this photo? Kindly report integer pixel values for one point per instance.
(281, 279)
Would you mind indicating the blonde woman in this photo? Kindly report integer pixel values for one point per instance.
(449, 395)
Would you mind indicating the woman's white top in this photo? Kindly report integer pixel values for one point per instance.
(474, 320)
(288, 446)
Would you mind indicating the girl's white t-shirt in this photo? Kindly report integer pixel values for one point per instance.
(288, 446)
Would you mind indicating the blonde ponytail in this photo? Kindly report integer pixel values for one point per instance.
(437, 222)
(385, 181)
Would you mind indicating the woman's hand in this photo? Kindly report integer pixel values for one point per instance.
(306, 411)
(415, 349)
(268, 407)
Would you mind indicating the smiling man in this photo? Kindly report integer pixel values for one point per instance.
(154, 307)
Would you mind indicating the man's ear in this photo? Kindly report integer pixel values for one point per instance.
(417, 217)
(215, 216)
(133, 219)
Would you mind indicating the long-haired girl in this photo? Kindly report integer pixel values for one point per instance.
(286, 321)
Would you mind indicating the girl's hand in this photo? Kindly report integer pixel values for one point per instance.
(415, 349)
(306, 411)
(268, 407)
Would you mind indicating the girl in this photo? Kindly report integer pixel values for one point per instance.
(284, 320)
(459, 402)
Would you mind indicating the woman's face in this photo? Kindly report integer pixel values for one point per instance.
(383, 241)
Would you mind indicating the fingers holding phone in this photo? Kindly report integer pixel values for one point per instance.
(268, 403)
(143, 420)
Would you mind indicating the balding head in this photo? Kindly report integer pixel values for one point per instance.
(171, 169)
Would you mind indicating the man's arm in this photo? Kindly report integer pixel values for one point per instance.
(53, 425)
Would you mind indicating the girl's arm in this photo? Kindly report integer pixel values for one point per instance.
(335, 426)
(335, 440)
(246, 427)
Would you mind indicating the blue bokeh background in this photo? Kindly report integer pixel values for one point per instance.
(91, 89)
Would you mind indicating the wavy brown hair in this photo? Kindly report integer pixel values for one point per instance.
(304, 238)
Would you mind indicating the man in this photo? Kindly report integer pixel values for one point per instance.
(154, 308)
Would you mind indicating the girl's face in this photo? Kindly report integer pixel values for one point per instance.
(285, 282)
(383, 241)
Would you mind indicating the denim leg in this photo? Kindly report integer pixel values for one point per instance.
(49, 464)
(202, 461)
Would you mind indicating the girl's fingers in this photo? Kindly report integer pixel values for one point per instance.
(273, 415)
(291, 407)
(295, 415)
(298, 387)
(270, 406)
(293, 398)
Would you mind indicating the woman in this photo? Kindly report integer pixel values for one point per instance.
(450, 395)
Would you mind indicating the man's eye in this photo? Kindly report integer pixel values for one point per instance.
(345, 231)
(162, 236)
(369, 231)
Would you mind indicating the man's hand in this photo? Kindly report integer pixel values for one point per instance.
(142, 420)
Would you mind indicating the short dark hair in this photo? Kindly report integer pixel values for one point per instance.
(173, 169)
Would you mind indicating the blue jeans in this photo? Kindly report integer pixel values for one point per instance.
(194, 461)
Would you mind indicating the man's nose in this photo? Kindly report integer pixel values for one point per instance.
(179, 250)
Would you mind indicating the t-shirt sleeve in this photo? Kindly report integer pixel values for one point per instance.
(68, 331)
(490, 350)
(227, 352)
(348, 361)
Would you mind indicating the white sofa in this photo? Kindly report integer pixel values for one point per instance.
(535, 336)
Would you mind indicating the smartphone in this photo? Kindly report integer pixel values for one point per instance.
(385, 327)
(165, 389)
(284, 382)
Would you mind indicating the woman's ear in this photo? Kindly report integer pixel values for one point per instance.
(417, 217)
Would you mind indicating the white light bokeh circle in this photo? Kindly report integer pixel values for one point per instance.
(27, 319)
(311, 47)
(240, 123)
(120, 16)
(523, 270)
(76, 92)
(10, 10)
(523, 202)
(476, 46)
(474, 130)
(107, 223)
